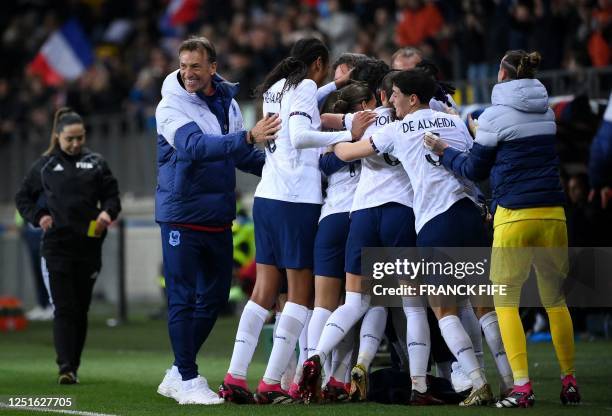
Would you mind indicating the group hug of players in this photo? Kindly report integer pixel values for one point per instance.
(399, 166)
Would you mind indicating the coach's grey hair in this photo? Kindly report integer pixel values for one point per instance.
(202, 44)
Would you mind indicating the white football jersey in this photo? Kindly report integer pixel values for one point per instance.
(340, 190)
(435, 188)
(383, 179)
(292, 173)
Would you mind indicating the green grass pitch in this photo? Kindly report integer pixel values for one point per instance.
(123, 365)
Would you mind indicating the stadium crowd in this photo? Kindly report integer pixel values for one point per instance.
(134, 45)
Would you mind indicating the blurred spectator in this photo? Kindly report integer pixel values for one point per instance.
(36, 100)
(600, 162)
(134, 42)
(601, 37)
(600, 171)
(340, 27)
(553, 17)
(579, 217)
(419, 20)
(146, 92)
(43, 311)
(521, 23)
(406, 58)
(576, 126)
(384, 33)
(346, 62)
(9, 111)
(578, 189)
(473, 40)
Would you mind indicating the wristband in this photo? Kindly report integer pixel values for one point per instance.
(344, 121)
(249, 138)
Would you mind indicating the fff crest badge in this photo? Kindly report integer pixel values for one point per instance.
(175, 238)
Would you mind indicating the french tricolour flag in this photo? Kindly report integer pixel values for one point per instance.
(181, 12)
(64, 56)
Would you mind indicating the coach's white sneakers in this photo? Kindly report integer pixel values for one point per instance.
(196, 391)
(171, 384)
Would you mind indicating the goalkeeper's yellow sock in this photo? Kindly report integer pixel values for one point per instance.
(562, 332)
(513, 336)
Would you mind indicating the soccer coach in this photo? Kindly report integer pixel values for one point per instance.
(200, 141)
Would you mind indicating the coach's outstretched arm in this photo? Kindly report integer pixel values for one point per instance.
(251, 162)
(189, 140)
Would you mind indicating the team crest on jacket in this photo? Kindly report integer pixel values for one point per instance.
(175, 238)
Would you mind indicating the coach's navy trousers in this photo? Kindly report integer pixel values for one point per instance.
(198, 273)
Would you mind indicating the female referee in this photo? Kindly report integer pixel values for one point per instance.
(72, 195)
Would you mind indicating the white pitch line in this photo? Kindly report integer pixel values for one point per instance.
(61, 411)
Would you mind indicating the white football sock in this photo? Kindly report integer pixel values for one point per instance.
(340, 322)
(490, 327)
(347, 376)
(470, 323)
(370, 334)
(327, 370)
(303, 339)
(460, 345)
(289, 328)
(315, 328)
(303, 350)
(251, 321)
(419, 345)
(277, 316)
(289, 374)
(341, 356)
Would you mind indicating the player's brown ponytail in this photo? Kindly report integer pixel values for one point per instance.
(520, 64)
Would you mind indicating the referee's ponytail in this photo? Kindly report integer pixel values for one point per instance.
(63, 117)
(295, 68)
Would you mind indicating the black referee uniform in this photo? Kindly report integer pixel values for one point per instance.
(73, 190)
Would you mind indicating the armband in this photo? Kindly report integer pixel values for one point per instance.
(374, 146)
(301, 113)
